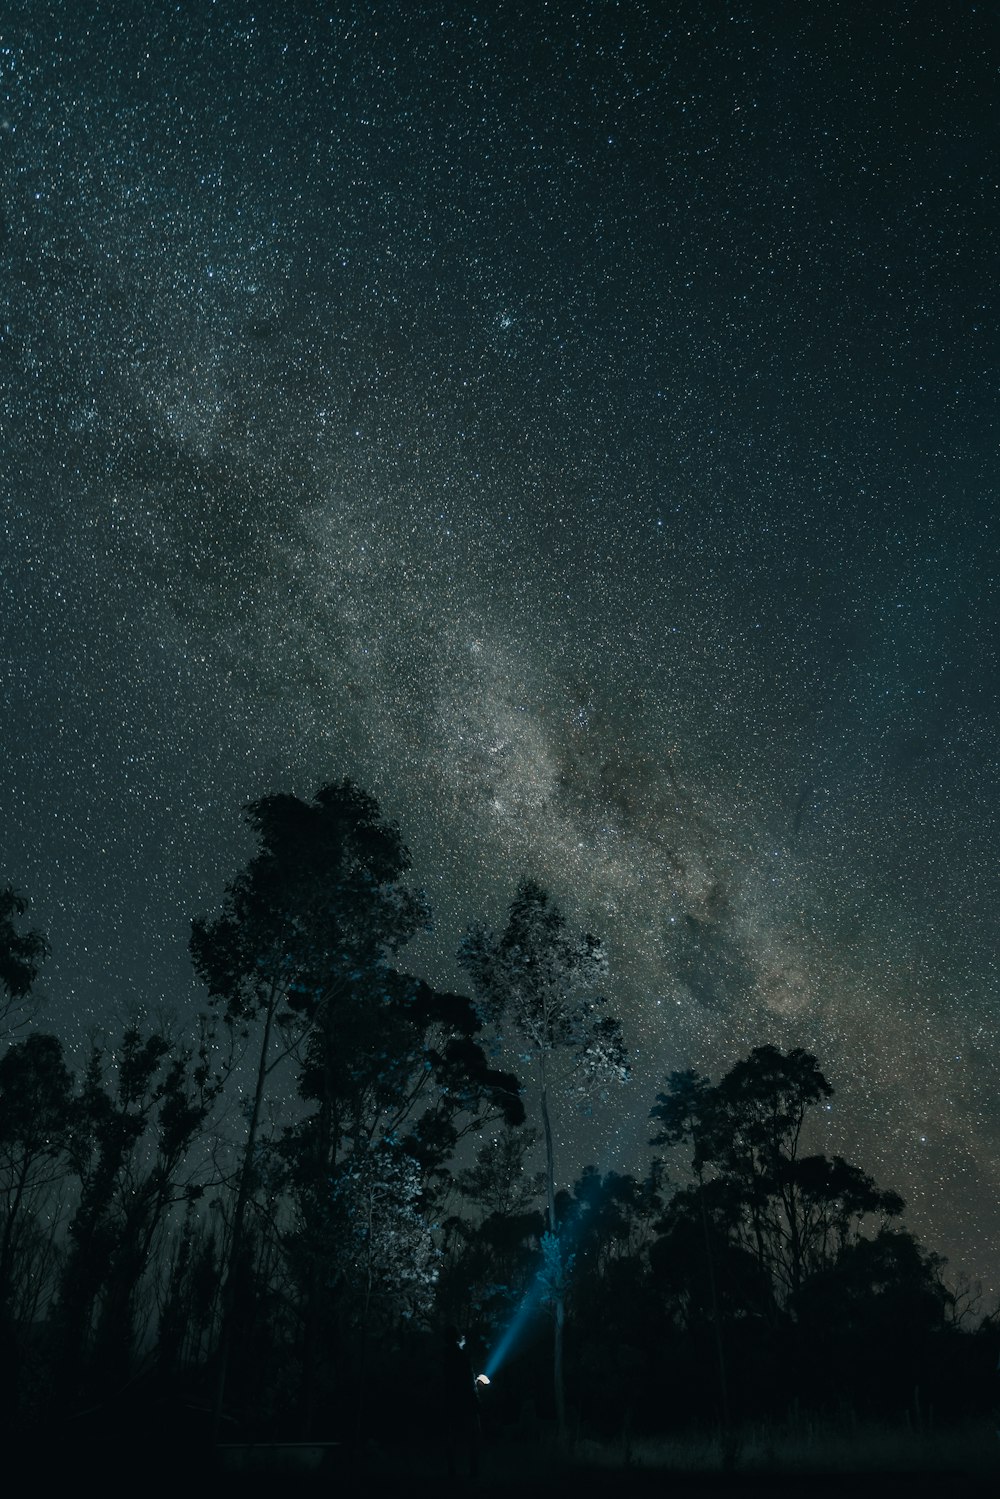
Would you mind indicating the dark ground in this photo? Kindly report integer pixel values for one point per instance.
(513, 1471)
(804, 1459)
(107, 1476)
(586, 1482)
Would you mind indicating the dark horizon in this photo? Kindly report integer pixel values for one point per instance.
(192, 1263)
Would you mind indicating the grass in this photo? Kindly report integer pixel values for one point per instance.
(810, 1446)
(822, 1458)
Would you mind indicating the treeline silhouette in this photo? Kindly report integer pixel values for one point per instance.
(260, 1229)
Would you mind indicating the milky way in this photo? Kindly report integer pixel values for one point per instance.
(579, 427)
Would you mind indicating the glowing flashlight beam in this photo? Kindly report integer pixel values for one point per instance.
(514, 1328)
(532, 1300)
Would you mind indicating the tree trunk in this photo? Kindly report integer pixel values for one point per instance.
(720, 1352)
(559, 1293)
(314, 1299)
(239, 1218)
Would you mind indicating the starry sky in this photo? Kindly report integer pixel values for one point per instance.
(574, 421)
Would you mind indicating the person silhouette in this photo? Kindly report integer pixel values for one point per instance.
(461, 1422)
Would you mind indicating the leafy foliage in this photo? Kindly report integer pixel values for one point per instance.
(499, 1182)
(35, 1114)
(21, 953)
(791, 1212)
(317, 910)
(335, 1233)
(542, 984)
(387, 1254)
(131, 1128)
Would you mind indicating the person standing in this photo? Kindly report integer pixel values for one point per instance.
(462, 1424)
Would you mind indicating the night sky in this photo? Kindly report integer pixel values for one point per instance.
(576, 422)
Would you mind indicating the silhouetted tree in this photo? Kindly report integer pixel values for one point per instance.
(684, 1114)
(489, 1263)
(190, 1294)
(35, 1101)
(21, 953)
(403, 1092)
(747, 1131)
(880, 1311)
(499, 1183)
(315, 911)
(770, 1219)
(612, 1217)
(132, 1125)
(611, 1315)
(702, 1268)
(306, 942)
(542, 984)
